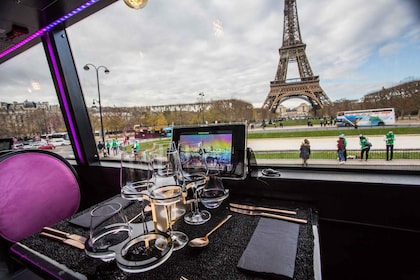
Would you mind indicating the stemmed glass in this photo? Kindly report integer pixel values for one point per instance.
(147, 249)
(195, 174)
(167, 190)
(214, 192)
(136, 178)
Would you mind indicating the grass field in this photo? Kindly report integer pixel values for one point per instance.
(402, 154)
(330, 154)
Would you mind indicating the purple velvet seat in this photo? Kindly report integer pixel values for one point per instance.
(38, 188)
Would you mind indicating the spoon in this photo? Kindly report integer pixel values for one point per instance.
(203, 241)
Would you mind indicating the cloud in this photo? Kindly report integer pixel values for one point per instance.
(167, 52)
(391, 48)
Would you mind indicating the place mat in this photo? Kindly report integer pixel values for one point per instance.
(272, 249)
(83, 220)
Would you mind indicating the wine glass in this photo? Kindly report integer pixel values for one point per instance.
(108, 228)
(136, 178)
(195, 174)
(136, 174)
(166, 193)
(213, 193)
(147, 249)
(163, 164)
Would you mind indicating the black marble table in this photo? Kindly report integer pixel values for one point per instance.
(219, 259)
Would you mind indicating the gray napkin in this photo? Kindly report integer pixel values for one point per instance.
(272, 249)
(84, 219)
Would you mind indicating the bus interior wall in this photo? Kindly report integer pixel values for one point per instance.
(362, 230)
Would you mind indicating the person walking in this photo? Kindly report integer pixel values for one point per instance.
(305, 152)
(345, 146)
(341, 149)
(365, 145)
(100, 147)
(115, 146)
(108, 146)
(137, 146)
(389, 141)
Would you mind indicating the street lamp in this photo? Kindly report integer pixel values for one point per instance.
(201, 94)
(106, 71)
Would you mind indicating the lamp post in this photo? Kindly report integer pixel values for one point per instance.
(201, 94)
(106, 71)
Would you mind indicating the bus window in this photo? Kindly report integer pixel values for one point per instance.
(26, 118)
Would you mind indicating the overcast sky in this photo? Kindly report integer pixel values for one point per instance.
(170, 51)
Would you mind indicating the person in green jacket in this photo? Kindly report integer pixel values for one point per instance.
(389, 141)
(365, 144)
(115, 146)
(137, 146)
(108, 146)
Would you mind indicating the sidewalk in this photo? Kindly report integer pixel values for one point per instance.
(398, 164)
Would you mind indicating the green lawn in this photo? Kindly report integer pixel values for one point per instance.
(332, 154)
(316, 133)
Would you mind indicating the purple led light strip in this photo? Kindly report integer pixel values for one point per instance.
(63, 98)
(47, 28)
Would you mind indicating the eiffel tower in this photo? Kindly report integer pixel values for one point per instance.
(307, 86)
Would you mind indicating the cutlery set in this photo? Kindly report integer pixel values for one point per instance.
(74, 240)
(263, 212)
(78, 241)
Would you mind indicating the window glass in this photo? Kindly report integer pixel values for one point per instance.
(30, 112)
(213, 66)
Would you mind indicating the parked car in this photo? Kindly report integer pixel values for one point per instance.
(27, 145)
(57, 142)
(46, 146)
(17, 146)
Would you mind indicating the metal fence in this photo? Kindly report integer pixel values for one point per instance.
(407, 154)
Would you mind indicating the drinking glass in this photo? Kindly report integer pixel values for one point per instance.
(213, 193)
(136, 178)
(195, 175)
(108, 228)
(163, 165)
(165, 199)
(147, 249)
(136, 174)
(166, 193)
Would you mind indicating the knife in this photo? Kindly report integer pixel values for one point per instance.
(76, 237)
(67, 241)
(249, 207)
(268, 215)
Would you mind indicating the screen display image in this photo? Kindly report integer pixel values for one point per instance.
(213, 148)
(220, 148)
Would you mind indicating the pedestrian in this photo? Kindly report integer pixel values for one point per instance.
(100, 147)
(341, 149)
(345, 147)
(108, 146)
(115, 146)
(365, 145)
(137, 146)
(305, 152)
(389, 141)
